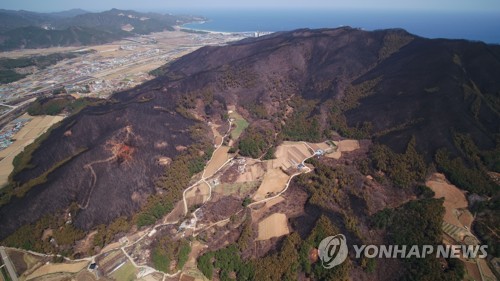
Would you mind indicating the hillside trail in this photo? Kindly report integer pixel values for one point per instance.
(117, 148)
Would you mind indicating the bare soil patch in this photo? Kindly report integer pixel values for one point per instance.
(257, 214)
(274, 181)
(56, 268)
(455, 202)
(251, 171)
(85, 275)
(275, 225)
(197, 195)
(290, 154)
(218, 159)
(31, 130)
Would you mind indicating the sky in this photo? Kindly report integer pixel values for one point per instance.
(197, 5)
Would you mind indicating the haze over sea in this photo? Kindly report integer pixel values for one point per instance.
(454, 25)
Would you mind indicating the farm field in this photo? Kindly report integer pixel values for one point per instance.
(257, 214)
(197, 195)
(240, 122)
(455, 202)
(274, 182)
(274, 225)
(218, 159)
(125, 272)
(32, 130)
(58, 268)
(290, 154)
(236, 188)
(254, 171)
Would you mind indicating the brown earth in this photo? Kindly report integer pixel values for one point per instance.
(275, 225)
(455, 202)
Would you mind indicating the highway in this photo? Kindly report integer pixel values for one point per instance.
(8, 264)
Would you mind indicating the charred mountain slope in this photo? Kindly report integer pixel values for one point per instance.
(416, 87)
(110, 159)
(422, 87)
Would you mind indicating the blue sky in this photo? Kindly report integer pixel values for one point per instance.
(197, 5)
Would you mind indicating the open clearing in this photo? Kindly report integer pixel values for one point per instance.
(455, 202)
(321, 145)
(273, 226)
(197, 195)
(253, 171)
(32, 130)
(190, 269)
(218, 159)
(258, 213)
(348, 145)
(290, 154)
(274, 181)
(342, 146)
(56, 268)
(85, 275)
(236, 188)
(217, 135)
(240, 122)
(126, 272)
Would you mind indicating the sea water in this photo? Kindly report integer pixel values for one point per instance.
(483, 26)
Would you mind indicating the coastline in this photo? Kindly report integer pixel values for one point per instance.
(249, 33)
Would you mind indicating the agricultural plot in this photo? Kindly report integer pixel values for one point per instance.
(274, 181)
(125, 272)
(240, 124)
(455, 202)
(251, 171)
(219, 157)
(197, 195)
(85, 275)
(259, 212)
(275, 225)
(110, 262)
(290, 155)
(58, 268)
(32, 130)
(323, 146)
(217, 135)
(240, 189)
(342, 146)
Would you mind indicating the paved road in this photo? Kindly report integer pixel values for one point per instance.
(8, 264)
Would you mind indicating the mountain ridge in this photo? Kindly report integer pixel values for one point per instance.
(78, 27)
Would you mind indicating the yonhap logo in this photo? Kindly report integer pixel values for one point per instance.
(332, 250)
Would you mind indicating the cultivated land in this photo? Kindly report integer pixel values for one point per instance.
(58, 268)
(275, 225)
(30, 131)
(240, 123)
(457, 223)
(218, 159)
(455, 202)
(274, 182)
(198, 194)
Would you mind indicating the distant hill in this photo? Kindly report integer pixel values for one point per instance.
(69, 13)
(11, 20)
(23, 29)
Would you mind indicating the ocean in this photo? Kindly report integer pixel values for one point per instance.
(453, 25)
